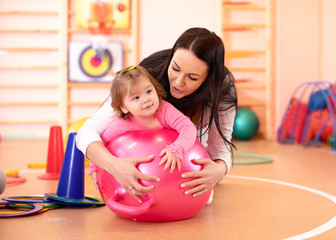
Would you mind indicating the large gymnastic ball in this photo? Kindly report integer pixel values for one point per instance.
(167, 201)
(246, 124)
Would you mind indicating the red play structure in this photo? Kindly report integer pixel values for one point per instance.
(310, 115)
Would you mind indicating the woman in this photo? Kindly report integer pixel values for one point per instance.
(198, 84)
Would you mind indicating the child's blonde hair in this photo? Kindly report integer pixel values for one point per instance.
(120, 83)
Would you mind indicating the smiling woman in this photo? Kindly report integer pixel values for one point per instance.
(184, 81)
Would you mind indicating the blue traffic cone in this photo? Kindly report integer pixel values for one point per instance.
(71, 182)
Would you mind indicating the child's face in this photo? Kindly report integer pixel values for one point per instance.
(141, 99)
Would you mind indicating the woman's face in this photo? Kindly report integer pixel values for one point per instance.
(186, 73)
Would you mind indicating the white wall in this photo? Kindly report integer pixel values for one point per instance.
(329, 41)
(306, 46)
(162, 22)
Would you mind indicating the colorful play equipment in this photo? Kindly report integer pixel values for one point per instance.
(310, 115)
(56, 150)
(70, 188)
(36, 209)
(55, 154)
(167, 201)
(14, 177)
(246, 124)
(258, 159)
(75, 126)
(3, 181)
(95, 60)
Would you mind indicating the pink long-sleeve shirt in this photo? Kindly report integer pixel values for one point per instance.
(168, 116)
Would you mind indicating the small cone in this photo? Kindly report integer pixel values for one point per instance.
(55, 154)
(70, 188)
(71, 182)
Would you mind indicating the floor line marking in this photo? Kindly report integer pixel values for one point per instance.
(316, 231)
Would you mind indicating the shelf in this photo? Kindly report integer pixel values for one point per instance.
(28, 30)
(25, 122)
(242, 6)
(243, 53)
(28, 67)
(86, 31)
(70, 100)
(18, 12)
(24, 49)
(252, 66)
(250, 85)
(89, 85)
(236, 69)
(28, 86)
(229, 27)
(251, 104)
(31, 104)
(85, 104)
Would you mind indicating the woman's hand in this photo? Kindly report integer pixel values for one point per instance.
(207, 178)
(127, 175)
(122, 169)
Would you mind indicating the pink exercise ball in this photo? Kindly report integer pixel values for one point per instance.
(167, 201)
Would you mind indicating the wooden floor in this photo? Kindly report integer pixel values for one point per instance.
(294, 197)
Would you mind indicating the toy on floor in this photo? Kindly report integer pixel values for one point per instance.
(3, 181)
(55, 154)
(36, 208)
(14, 177)
(246, 124)
(70, 189)
(167, 201)
(310, 116)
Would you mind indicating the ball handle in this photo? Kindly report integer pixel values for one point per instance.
(114, 204)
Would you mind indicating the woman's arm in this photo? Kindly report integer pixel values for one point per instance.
(216, 168)
(122, 169)
(93, 127)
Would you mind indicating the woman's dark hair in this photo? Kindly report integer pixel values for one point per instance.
(217, 92)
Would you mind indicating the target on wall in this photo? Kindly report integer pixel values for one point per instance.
(87, 64)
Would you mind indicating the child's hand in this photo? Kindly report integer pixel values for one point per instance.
(170, 160)
(94, 179)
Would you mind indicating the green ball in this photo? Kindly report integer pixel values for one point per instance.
(331, 140)
(246, 124)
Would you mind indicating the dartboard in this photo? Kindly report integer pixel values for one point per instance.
(95, 63)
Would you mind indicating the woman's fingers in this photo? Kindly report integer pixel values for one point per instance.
(203, 180)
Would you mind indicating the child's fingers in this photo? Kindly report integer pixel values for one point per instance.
(163, 160)
(163, 152)
(172, 168)
(168, 163)
(179, 165)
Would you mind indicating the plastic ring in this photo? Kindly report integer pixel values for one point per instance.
(263, 159)
(87, 201)
(23, 206)
(27, 199)
(37, 208)
(19, 178)
(45, 205)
